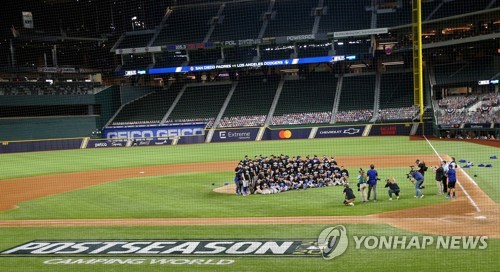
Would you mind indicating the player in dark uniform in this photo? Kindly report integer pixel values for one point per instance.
(245, 181)
(238, 171)
(344, 171)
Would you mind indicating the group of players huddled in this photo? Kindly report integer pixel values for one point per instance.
(276, 174)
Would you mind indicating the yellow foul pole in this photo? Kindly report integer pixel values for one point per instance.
(418, 80)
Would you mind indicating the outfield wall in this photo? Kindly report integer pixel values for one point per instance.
(219, 136)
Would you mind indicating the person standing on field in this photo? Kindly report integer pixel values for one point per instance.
(439, 177)
(444, 179)
(452, 180)
(362, 185)
(372, 182)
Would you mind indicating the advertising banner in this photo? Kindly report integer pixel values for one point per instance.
(361, 32)
(152, 49)
(173, 47)
(153, 132)
(47, 145)
(151, 142)
(449, 126)
(478, 126)
(333, 132)
(27, 19)
(106, 143)
(388, 130)
(235, 135)
(60, 70)
(285, 134)
(198, 139)
(282, 62)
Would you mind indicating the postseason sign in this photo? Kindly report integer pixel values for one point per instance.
(284, 248)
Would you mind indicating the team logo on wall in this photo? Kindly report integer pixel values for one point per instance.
(285, 134)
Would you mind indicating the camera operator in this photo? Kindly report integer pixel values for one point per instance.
(393, 187)
(419, 179)
(422, 168)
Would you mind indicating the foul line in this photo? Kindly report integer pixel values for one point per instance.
(458, 182)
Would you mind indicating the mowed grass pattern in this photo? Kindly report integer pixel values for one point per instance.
(190, 195)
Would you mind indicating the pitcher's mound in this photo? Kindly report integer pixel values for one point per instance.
(227, 189)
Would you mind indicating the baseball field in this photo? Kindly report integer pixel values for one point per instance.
(170, 208)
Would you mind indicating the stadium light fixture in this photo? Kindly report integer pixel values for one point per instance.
(134, 19)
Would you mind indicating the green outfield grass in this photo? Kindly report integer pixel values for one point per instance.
(191, 195)
(43, 163)
(429, 259)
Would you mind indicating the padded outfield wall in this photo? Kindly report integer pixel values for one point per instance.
(223, 135)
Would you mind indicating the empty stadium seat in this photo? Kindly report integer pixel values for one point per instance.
(291, 17)
(357, 92)
(241, 20)
(396, 90)
(252, 97)
(200, 103)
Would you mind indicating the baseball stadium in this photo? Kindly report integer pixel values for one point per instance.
(249, 135)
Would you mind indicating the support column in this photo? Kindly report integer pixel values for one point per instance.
(12, 54)
(54, 55)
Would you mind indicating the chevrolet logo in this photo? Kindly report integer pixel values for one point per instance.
(351, 131)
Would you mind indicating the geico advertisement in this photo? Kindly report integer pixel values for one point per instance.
(152, 132)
